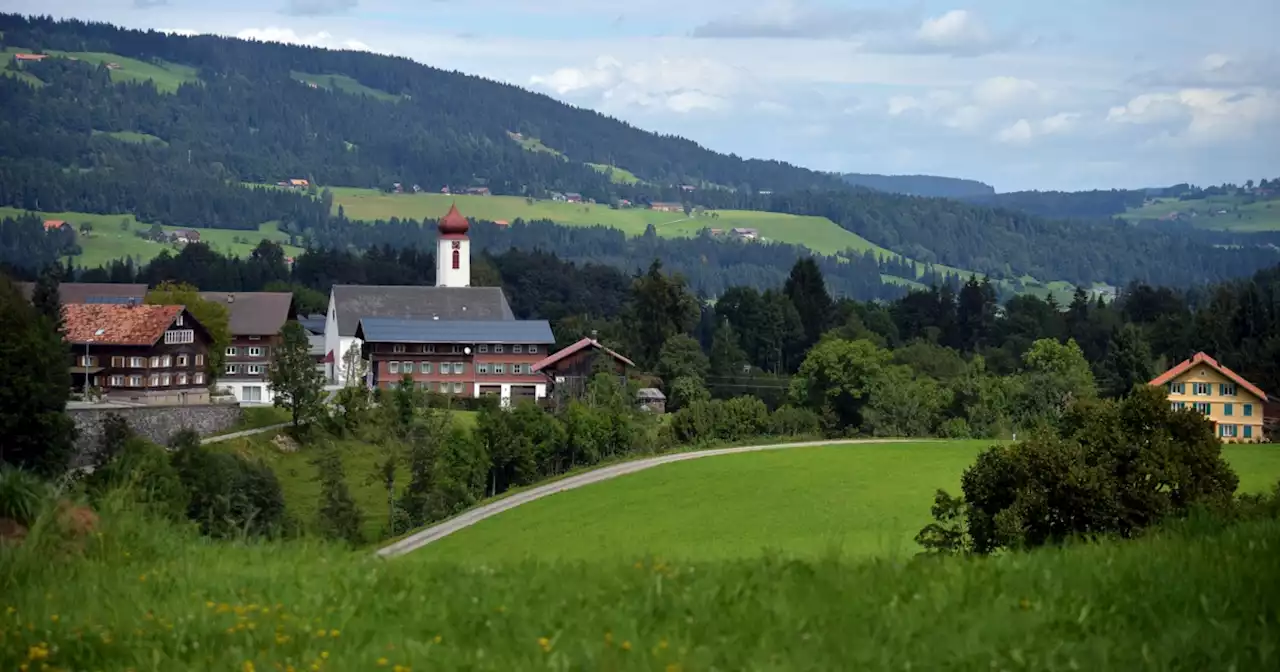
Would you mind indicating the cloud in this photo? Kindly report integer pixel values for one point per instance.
(1202, 116)
(800, 19)
(1003, 90)
(1217, 70)
(676, 85)
(288, 36)
(318, 7)
(1023, 131)
(958, 32)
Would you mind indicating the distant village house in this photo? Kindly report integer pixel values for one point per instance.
(54, 224)
(185, 236)
(746, 234)
(667, 207)
(478, 191)
(30, 57)
(573, 198)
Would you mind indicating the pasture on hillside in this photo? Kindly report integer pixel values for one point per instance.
(855, 500)
(166, 76)
(1223, 213)
(114, 237)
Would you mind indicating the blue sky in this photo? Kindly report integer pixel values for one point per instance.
(1019, 94)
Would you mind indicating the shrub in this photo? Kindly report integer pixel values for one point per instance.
(22, 495)
(695, 423)
(144, 469)
(229, 494)
(792, 421)
(740, 418)
(1110, 468)
(954, 428)
(338, 516)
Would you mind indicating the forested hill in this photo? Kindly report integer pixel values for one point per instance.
(173, 130)
(921, 185)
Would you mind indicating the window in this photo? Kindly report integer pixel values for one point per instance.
(457, 388)
(179, 336)
(1178, 405)
(430, 349)
(1248, 431)
(397, 348)
(533, 349)
(1177, 388)
(455, 349)
(517, 369)
(255, 352)
(498, 349)
(199, 360)
(178, 322)
(425, 367)
(199, 379)
(255, 369)
(406, 368)
(255, 338)
(1248, 410)
(135, 381)
(155, 362)
(457, 260)
(88, 361)
(394, 367)
(458, 368)
(517, 349)
(1203, 408)
(444, 388)
(1227, 409)
(182, 360)
(137, 362)
(1228, 431)
(166, 362)
(233, 369)
(1202, 389)
(117, 381)
(231, 351)
(165, 380)
(484, 347)
(154, 380)
(182, 379)
(1227, 389)
(117, 362)
(482, 369)
(252, 393)
(499, 369)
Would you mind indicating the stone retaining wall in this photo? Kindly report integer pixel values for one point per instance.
(155, 423)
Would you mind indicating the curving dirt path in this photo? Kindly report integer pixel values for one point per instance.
(464, 520)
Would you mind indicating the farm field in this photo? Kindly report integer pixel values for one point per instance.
(298, 476)
(167, 76)
(857, 501)
(132, 137)
(109, 241)
(344, 84)
(1251, 217)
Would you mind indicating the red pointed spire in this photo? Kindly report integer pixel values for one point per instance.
(453, 223)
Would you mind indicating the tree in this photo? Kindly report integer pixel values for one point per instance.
(294, 379)
(354, 367)
(684, 391)
(1127, 363)
(1054, 375)
(661, 307)
(836, 379)
(808, 293)
(45, 296)
(682, 356)
(211, 315)
(727, 356)
(35, 431)
(338, 517)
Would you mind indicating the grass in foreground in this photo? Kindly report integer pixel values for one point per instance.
(858, 500)
(145, 596)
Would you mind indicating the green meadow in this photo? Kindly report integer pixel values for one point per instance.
(855, 501)
(113, 237)
(1240, 214)
(344, 84)
(167, 76)
(133, 137)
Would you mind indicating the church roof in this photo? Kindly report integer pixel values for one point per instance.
(355, 302)
(453, 223)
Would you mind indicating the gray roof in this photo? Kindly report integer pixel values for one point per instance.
(254, 313)
(90, 292)
(355, 302)
(651, 394)
(313, 323)
(397, 330)
(316, 344)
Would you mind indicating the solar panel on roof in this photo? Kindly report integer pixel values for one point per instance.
(112, 299)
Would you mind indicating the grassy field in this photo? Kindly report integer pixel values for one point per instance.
(344, 84)
(109, 241)
(858, 500)
(146, 596)
(132, 137)
(1239, 216)
(616, 174)
(298, 476)
(167, 76)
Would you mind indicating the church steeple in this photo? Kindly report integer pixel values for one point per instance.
(453, 251)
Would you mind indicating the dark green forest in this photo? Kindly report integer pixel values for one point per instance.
(246, 119)
(920, 185)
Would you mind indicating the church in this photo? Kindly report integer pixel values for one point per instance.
(451, 338)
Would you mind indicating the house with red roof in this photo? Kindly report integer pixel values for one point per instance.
(569, 370)
(138, 353)
(1235, 406)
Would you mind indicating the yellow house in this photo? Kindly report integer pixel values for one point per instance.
(1233, 404)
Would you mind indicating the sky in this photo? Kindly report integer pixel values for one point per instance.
(1021, 94)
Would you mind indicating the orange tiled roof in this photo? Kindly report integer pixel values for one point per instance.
(120, 324)
(1202, 358)
(53, 224)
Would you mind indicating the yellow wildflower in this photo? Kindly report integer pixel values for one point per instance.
(673, 667)
(662, 644)
(439, 639)
(248, 666)
(54, 618)
(401, 668)
(334, 633)
(626, 646)
(320, 633)
(382, 662)
(324, 655)
(544, 643)
(608, 639)
(142, 577)
(38, 652)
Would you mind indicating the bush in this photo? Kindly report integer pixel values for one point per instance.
(954, 428)
(740, 418)
(1111, 468)
(792, 421)
(230, 495)
(22, 495)
(144, 469)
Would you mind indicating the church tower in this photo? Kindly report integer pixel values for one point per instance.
(453, 251)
